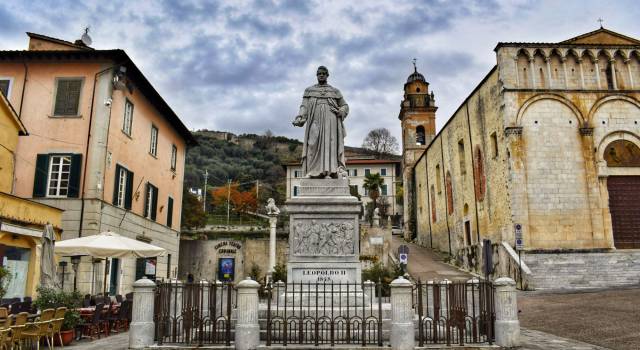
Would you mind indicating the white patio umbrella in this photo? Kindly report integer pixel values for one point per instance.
(107, 245)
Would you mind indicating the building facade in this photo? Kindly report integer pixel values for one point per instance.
(548, 142)
(358, 168)
(22, 221)
(104, 146)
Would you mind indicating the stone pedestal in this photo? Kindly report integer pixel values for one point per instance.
(247, 331)
(324, 233)
(142, 327)
(507, 326)
(402, 327)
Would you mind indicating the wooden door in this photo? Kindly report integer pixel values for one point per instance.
(624, 205)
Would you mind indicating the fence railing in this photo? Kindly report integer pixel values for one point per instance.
(324, 313)
(454, 312)
(193, 313)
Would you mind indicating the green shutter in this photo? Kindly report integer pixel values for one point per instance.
(67, 97)
(41, 176)
(154, 203)
(170, 212)
(146, 201)
(128, 191)
(74, 176)
(4, 88)
(116, 185)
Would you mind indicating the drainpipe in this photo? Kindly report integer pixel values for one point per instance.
(24, 85)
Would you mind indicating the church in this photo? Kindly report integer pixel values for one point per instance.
(545, 148)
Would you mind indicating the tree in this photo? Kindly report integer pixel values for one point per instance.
(372, 183)
(381, 142)
(192, 214)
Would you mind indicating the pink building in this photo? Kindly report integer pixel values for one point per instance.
(105, 147)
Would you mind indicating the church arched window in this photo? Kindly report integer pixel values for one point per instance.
(420, 140)
(622, 153)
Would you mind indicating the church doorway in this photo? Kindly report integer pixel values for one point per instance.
(624, 205)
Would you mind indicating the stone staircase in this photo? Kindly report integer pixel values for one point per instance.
(584, 270)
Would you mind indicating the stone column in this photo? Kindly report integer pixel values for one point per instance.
(277, 291)
(628, 64)
(581, 73)
(595, 62)
(141, 329)
(247, 327)
(507, 326)
(402, 327)
(613, 73)
(273, 220)
(369, 289)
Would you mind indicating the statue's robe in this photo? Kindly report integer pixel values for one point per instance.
(323, 149)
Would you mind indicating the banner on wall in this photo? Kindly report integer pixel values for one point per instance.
(226, 269)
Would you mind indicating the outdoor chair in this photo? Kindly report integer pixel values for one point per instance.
(129, 296)
(86, 302)
(17, 328)
(27, 299)
(5, 338)
(119, 298)
(56, 324)
(40, 329)
(93, 327)
(123, 315)
(98, 300)
(15, 308)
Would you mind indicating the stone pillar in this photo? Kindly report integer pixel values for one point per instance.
(507, 326)
(628, 64)
(247, 327)
(369, 289)
(273, 220)
(277, 291)
(612, 62)
(402, 327)
(595, 62)
(142, 327)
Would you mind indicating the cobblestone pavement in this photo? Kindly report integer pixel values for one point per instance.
(427, 265)
(118, 341)
(608, 318)
(536, 340)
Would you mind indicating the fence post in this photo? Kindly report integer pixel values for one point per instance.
(141, 330)
(402, 327)
(278, 291)
(369, 290)
(507, 326)
(247, 327)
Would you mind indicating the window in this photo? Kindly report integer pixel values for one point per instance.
(354, 172)
(367, 172)
(463, 170)
(420, 140)
(153, 149)
(67, 96)
(151, 202)
(174, 157)
(383, 190)
(494, 144)
(170, 212)
(383, 172)
(296, 173)
(128, 117)
(59, 171)
(123, 187)
(168, 266)
(353, 189)
(295, 191)
(366, 191)
(438, 179)
(5, 86)
(57, 175)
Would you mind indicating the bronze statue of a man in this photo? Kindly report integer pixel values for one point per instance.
(323, 110)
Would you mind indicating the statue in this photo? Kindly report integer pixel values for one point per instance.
(323, 110)
(271, 207)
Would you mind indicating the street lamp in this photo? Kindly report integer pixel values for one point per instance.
(75, 261)
(63, 265)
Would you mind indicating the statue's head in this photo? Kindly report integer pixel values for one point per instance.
(322, 73)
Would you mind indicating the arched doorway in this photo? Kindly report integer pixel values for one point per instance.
(624, 194)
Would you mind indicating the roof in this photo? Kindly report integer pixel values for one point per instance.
(58, 41)
(13, 115)
(119, 57)
(599, 37)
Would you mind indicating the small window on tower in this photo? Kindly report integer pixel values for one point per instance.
(418, 89)
(420, 135)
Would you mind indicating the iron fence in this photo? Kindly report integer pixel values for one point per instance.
(324, 313)
(455, 312)
(193, 313)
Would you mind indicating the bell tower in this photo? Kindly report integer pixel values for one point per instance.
(418, 121)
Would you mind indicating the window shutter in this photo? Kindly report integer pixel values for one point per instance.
(170, 212)
(116, 185)
(74, 176)
(146, 202)
(41, 176)
(61, 98)
(4, 87)
(128, 191)
(154, 203)
(67, 97)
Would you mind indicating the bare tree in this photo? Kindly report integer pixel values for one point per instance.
(380, 141)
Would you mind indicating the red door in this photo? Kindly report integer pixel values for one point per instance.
(624, 205)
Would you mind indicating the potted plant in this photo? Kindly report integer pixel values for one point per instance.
(50, 298)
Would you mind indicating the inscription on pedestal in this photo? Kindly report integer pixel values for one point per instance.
(322, 275)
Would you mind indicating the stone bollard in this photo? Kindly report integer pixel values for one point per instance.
(247, 326)
(402, 331)
(369, 289)
(277, 291)
(141, 330)
(507, 326)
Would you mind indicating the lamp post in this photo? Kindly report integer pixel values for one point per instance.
(63, 265)
(75, 261)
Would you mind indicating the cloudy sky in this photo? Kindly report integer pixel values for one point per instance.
(242, 66)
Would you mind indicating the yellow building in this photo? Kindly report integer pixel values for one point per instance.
(21, 221)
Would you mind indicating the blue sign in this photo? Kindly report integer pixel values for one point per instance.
(226, 269)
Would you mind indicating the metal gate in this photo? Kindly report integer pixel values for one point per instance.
(455, 313)
(193, 313)
(624, 205)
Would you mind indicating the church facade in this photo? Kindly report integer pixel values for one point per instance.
(549, 142)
